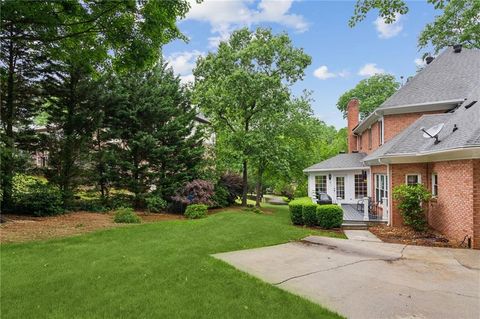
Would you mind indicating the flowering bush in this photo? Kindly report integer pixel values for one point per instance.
(197, 191)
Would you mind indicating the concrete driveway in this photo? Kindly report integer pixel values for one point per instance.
(362, 279)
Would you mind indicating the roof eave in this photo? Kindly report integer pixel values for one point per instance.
(313, 170)
(407, 108)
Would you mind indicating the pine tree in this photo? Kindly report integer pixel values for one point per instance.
(152, 133)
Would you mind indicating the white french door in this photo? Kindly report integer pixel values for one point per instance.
(338, 188)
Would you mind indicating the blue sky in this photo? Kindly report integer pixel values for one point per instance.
(341, 56)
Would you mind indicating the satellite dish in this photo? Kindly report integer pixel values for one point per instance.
(433, 132)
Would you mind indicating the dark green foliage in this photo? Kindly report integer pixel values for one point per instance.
(126, 215)
(150, 116)
(155, 204)
(195, 211)
(220, 197)
(329, 216)
(309, 214)
(35, 196)
(411, 202)
(296, 207)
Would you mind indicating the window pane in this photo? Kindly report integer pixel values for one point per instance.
(320, 184)
(340, 180)
(412, 179)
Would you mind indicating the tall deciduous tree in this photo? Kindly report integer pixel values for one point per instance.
(458, 23)
(151, 131)
(371, 92)
(244, 81)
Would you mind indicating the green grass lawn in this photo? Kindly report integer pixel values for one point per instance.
(158, 270)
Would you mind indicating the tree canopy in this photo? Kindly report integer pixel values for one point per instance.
(371, 92)
(458, 23)
(244, 86)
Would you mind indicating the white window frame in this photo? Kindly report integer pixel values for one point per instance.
(419, 177)
(315, 183)
(381, 179)
(434, 192)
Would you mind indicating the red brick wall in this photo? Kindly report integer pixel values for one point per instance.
(476, 204)
(398, 172)
(353, 113)
(396, 123)
(452, 212)
(365, 147)
(456, 210)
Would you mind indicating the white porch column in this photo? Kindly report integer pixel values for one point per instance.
(365, 208)
(385, 209)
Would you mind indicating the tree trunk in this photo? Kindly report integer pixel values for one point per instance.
(7, 156)
(245, 183)
(68, 148)
(259, 187)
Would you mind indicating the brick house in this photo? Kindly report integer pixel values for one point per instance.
(390, 147)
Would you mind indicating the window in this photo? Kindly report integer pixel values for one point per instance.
(380, 132)
(434, 185)
(360, 186)
(413, 179)
(360, 141)
(370, 138)
(320, 184)
(340, 182)
(381, 187)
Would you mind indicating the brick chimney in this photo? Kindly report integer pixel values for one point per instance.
(353, 113)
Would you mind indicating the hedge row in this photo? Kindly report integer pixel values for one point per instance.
(304, 212)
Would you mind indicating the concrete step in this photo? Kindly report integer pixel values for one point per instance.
(355, 225)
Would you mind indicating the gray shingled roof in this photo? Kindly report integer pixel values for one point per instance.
(450, 76)
(341, 161)
(412, 142)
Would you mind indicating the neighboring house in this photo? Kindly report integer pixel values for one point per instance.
(389, 148)
(40, 157)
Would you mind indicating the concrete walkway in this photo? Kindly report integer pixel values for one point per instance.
(364, 235)
(365, 279)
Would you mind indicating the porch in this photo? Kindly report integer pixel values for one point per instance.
(355, 213)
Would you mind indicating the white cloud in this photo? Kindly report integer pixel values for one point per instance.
(189, 78)
(419, 62)
(183, 62)
(388, 30)
(225, 16)
(370, 69)
(344, 74)
(322, 73)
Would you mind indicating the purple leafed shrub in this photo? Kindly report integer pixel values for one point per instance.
(233, 183)
(197, 191)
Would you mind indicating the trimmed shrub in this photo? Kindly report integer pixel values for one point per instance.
(195, 211)
(411, 198)
(36, 196)
(296, 206)
(126, 215)
(155, 204)
(329, 216)
(309, 214)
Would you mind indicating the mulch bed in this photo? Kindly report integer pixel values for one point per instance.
(406, 235)
(21, 228)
